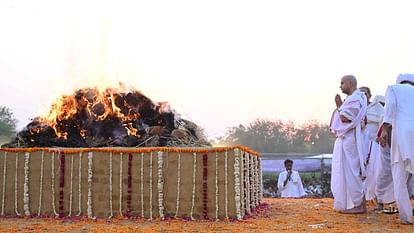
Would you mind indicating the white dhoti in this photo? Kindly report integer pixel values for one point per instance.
(402, 182)
(385, 187)
(375, 111)
(372, 171)
(346, 181)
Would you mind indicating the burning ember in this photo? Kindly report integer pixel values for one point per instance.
(94, 118)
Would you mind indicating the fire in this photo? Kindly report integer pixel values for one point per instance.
(96, 117)
(90, 111)
(95, 105)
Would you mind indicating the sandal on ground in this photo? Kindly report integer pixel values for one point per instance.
(390, 210)
(379, 207)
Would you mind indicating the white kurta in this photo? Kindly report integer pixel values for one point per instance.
(375, 112)
(348, 155)
(294, 186)
(399, 112)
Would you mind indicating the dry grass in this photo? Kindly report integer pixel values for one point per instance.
(280, 215)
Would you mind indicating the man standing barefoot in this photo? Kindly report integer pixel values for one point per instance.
(348, 171)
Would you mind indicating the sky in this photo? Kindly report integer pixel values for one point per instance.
(218, 63)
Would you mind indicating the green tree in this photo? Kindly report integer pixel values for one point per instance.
(278, 136)
(313, 137)
(261, 135)
(7, 122)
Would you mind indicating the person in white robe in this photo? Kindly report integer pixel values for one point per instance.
(384, 189)
(375, 112)
(348, 169)
(399, 114)
(289, 182)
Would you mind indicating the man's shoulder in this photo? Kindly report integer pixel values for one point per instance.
(401, 89)
(356, 96)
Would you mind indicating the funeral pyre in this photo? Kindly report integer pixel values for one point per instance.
(113, 117)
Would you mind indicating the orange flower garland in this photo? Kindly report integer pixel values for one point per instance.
(132, 150)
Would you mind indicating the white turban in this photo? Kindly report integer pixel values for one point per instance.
(405, 77)
(379, 99)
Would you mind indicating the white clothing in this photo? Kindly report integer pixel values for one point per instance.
(294, 186)
(379, 99)
(405, 77)
(375, 112)
(384, 190)
(402, 178)
(399, 112)
(348, 157)
(372, 170)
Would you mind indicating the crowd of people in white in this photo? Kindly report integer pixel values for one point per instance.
(373, 156)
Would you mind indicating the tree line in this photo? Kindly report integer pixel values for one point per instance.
(282, 137)
(7, 124)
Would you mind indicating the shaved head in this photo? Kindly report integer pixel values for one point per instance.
(348, 84)
(351, 79)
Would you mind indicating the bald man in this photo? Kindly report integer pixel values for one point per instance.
(348, 171)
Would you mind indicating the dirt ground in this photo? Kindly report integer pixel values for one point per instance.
(276, 215)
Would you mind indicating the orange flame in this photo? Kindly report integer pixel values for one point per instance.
(96, 103)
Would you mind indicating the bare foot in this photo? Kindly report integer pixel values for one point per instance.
(356, 210)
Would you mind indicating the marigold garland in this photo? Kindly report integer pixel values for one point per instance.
(216, 187)
(150, 184)
(178, 185)
(26, 194)
(257, 181)
(254, 176)
(260, 181)
(242, 170)
(15, 186)
(4, 182)
(134, 150)
(120, 182)
(142, 184)
(247, 184)
(251, 190)
(194, 184)
(71, 186)
(251, 182)
(205, 187)
(90, 176)
(237, 183)
(226, 206)
(160, 185)
(129, 189)
(111, 212)
(61, 183)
